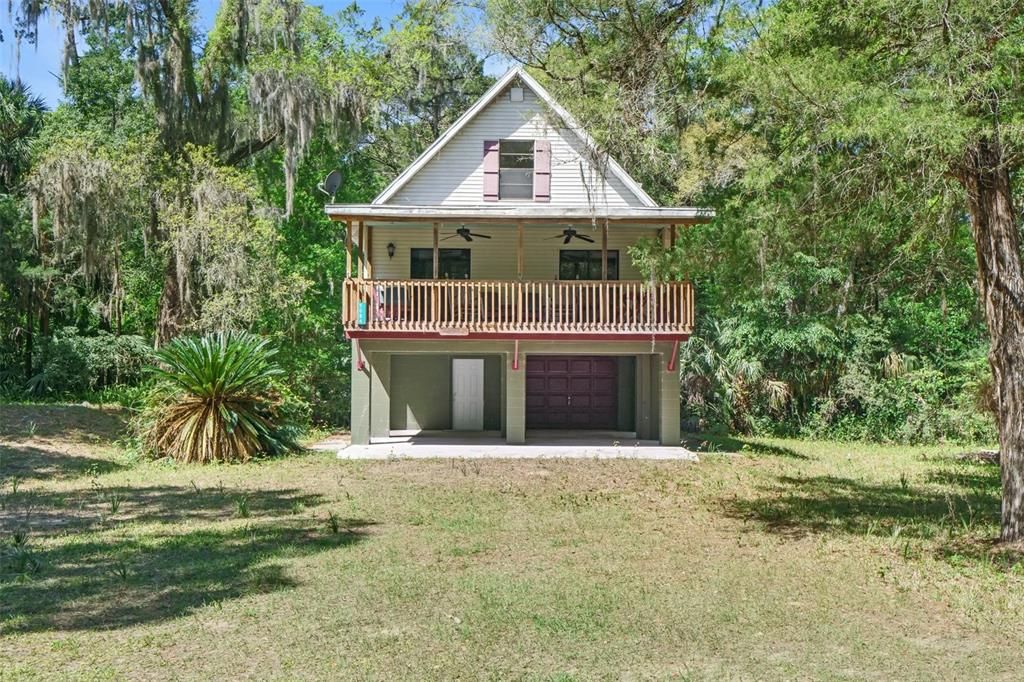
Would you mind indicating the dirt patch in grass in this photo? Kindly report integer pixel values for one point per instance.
(61, 423)
(50, 460)
(51, 442)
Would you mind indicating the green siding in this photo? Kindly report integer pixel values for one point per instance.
(421, 391)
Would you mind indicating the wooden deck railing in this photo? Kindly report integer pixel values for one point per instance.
(479, 306)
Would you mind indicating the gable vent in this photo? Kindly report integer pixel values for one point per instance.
(515, 94)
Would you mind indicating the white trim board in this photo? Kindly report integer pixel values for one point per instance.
(654, 214)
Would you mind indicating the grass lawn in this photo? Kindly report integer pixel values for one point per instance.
(787, 559)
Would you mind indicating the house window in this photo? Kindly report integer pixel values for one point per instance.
(515, 169)
(580, 264)
(451, 263)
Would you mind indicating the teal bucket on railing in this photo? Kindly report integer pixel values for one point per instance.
(362, 314)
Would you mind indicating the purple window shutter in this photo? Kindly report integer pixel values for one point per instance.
(490, 170)
(542, 170)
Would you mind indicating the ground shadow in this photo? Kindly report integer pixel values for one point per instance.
(101, 506)
(26, 462)
(71, 423)
(709, 442)
(979, 476)
(799, 505)
(99, 583)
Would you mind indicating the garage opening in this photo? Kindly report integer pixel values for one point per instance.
(580, 392)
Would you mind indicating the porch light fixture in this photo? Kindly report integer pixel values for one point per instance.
(391, 249)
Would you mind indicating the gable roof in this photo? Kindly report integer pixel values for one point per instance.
(499, 86)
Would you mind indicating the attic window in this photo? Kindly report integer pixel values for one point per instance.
(515, 169)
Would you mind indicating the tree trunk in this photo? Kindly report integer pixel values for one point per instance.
(171, 311)
(1001, 285)
(29, 328)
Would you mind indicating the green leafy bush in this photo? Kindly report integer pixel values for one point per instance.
(922, 404)
(319, 373)
(855, 378)
(70, 365)
(216, 401)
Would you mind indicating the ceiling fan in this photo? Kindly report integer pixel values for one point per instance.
(466, 234)
(569, 234)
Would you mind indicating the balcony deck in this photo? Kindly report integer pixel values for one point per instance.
(440, 307)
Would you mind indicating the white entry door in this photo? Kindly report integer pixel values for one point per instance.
(468, 394)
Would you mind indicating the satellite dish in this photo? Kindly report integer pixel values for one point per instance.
(331, 184)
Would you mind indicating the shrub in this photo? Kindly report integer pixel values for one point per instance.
(215, 401)
(846, 379)
(70, 365)
(922, 405)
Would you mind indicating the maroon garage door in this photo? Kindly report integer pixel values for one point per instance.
(571, 392)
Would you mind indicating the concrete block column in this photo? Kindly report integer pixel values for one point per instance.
(380, 395)
(360, 411)
(515, 400)
(670, 386)
(646, 423)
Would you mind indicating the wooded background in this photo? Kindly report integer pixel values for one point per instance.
(174, 191)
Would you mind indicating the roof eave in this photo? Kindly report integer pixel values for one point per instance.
(512, 214)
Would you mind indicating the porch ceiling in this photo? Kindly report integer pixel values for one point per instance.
(660, 215)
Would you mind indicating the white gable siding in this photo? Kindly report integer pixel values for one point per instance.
(454, 177)
(495, 258)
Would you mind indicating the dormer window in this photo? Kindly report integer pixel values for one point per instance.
(515, 169)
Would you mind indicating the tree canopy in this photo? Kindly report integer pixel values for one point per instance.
(864, 158)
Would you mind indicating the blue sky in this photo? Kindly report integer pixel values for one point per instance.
(40, 65)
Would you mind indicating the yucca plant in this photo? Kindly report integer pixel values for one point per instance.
(215, 401)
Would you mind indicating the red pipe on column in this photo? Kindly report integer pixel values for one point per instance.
(360, 362)
(675, 356)
(515, 357)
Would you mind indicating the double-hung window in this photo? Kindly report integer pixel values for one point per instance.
(586, 264)
(451, 263)
(515, 169)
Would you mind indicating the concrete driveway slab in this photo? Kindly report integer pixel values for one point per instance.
(495, 448)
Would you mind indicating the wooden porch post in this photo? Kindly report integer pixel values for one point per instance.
(348, 249)
(436, 256)
(369, 252)
(361, 265)
(519, 249)
(604, 251)
(672, 236)
(347, 303)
